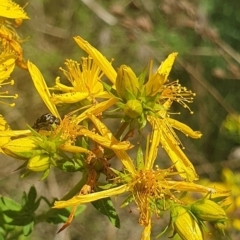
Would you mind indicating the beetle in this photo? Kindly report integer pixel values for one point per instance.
(46, 121)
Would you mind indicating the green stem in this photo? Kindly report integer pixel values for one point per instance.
(121, 130)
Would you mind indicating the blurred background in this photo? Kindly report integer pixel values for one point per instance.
(206, 35)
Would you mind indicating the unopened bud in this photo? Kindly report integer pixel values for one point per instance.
(21, 148)
(127, 85)
(39, 163)
(133, 108)
(208, 210)
(184, 224)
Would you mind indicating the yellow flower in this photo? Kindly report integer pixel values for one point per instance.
(10, 9)
(161, 121)
(11, 42)
(7, 64)
(85, 80)
(146, 184)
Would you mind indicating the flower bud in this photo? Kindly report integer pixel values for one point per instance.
(184, 224)
(127, 85)
(133, 108)
(21, 148)
(39, 163)
(208, 210)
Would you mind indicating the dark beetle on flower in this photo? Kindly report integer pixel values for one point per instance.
(46, 121)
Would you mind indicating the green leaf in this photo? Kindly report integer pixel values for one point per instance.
(45, 174)
(127, 201)
(32, 195)
(18, 218)
(2, 237)
(27, 229)
(142, 77)
(109, 89)
(105, 206)
(22, 166)
(9, 204)
(70, 166)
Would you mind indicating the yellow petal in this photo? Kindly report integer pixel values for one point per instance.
(72, 97)
(96, 109)
(9, 9)
(156, 134)
(4, 126)
(126, 161)
(61, 87)
(101, 61)
(156, 81)
(125, 145)
(180, 160)
(165, 68)
(146, 234)
(122, 155)
(42, 88)
(91, 197)
(184, 128)
(14, 133)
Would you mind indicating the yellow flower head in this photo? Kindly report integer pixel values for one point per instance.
(85, 80)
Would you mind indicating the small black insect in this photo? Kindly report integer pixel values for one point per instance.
(46, 121)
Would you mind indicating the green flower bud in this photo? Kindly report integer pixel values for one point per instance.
(208, 210)
(184, 224)
(127, 85)
(39, 163)
(133, 108)
(21, 148)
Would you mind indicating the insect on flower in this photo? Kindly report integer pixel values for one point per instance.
(46, 121)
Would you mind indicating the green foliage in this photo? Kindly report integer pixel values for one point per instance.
(105, 206)
(18, 219)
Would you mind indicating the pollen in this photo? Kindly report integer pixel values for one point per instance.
(68, 129)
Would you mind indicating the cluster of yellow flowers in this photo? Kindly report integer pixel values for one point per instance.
(11, 50)
(100, 96)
